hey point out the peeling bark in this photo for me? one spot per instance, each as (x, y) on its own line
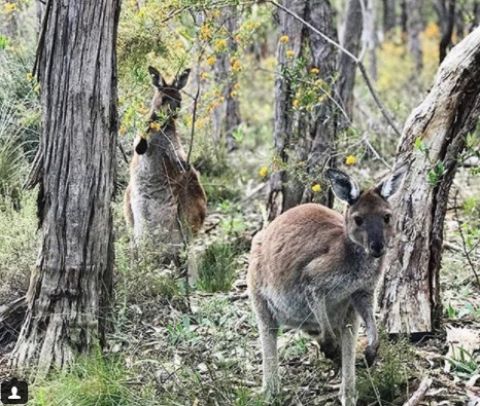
(410, 300)
(70, 289)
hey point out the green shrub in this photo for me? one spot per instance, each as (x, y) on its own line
(216, 268)
(93, 380)
(13, 164)
(387, 380)
(18, 247)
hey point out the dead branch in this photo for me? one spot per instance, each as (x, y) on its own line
(419, 394)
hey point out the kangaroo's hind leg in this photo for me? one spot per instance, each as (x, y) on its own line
(268, 330)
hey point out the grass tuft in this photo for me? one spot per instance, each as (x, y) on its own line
(216, 268)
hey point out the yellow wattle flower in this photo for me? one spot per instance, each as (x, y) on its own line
(220, 45)
(211, 60)
(290, 53)
(314, 71)
(316, 188)
(205, 32)
(155, 126)
(263, 171)
(295, 103)
(284, 39)
(351, 160)
(236, 65)
(9, 8)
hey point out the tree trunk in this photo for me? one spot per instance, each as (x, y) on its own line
(476, 15)
(351, 35)
(70, 289)
(389, 16)
(403, 16)
(9, 19)
(369, 37)
(226, 117)
(303, 138)
(410, 296)
(446, 16)
(414, 28)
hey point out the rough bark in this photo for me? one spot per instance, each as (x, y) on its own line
(303, 140)
(70, 289)
(414, 28)
(446, 16)
(389, 15)
(410, 296)
(226, 117)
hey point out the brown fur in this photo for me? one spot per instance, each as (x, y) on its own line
(168, 168)
(316, 270)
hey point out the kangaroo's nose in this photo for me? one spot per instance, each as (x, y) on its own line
(377, 249)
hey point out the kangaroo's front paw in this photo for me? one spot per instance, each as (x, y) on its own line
(371, 354)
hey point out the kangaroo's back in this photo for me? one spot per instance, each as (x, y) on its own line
(294, 239)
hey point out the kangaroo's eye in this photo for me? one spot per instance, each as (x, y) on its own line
(358, 220)
(387, 218)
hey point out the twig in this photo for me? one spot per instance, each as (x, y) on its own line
(419, 394)
(357, 61)
(194, 119)
(465, 249)
(122, 150)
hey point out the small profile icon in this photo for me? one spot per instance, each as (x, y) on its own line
(14, 392)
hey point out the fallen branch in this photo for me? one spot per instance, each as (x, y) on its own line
(419, 394)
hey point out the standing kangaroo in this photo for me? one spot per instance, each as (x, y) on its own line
(164, 193)
(317, 270)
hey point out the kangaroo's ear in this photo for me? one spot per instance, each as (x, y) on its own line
(391, 185)
(157, 79)
(344, 187)
(140, 145)
(182, 79)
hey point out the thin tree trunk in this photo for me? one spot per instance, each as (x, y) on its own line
(414, 28)
(286, 192)
(369, 37)
(446, 16)
(9, 19)
(403, 16)
(303, 139)
(351, 35)
(476, 15)
(460, 23)
(389, 16)
(226, 117)
(70, 289)
(410, 296)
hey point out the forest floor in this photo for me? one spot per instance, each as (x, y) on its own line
(177, 346)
